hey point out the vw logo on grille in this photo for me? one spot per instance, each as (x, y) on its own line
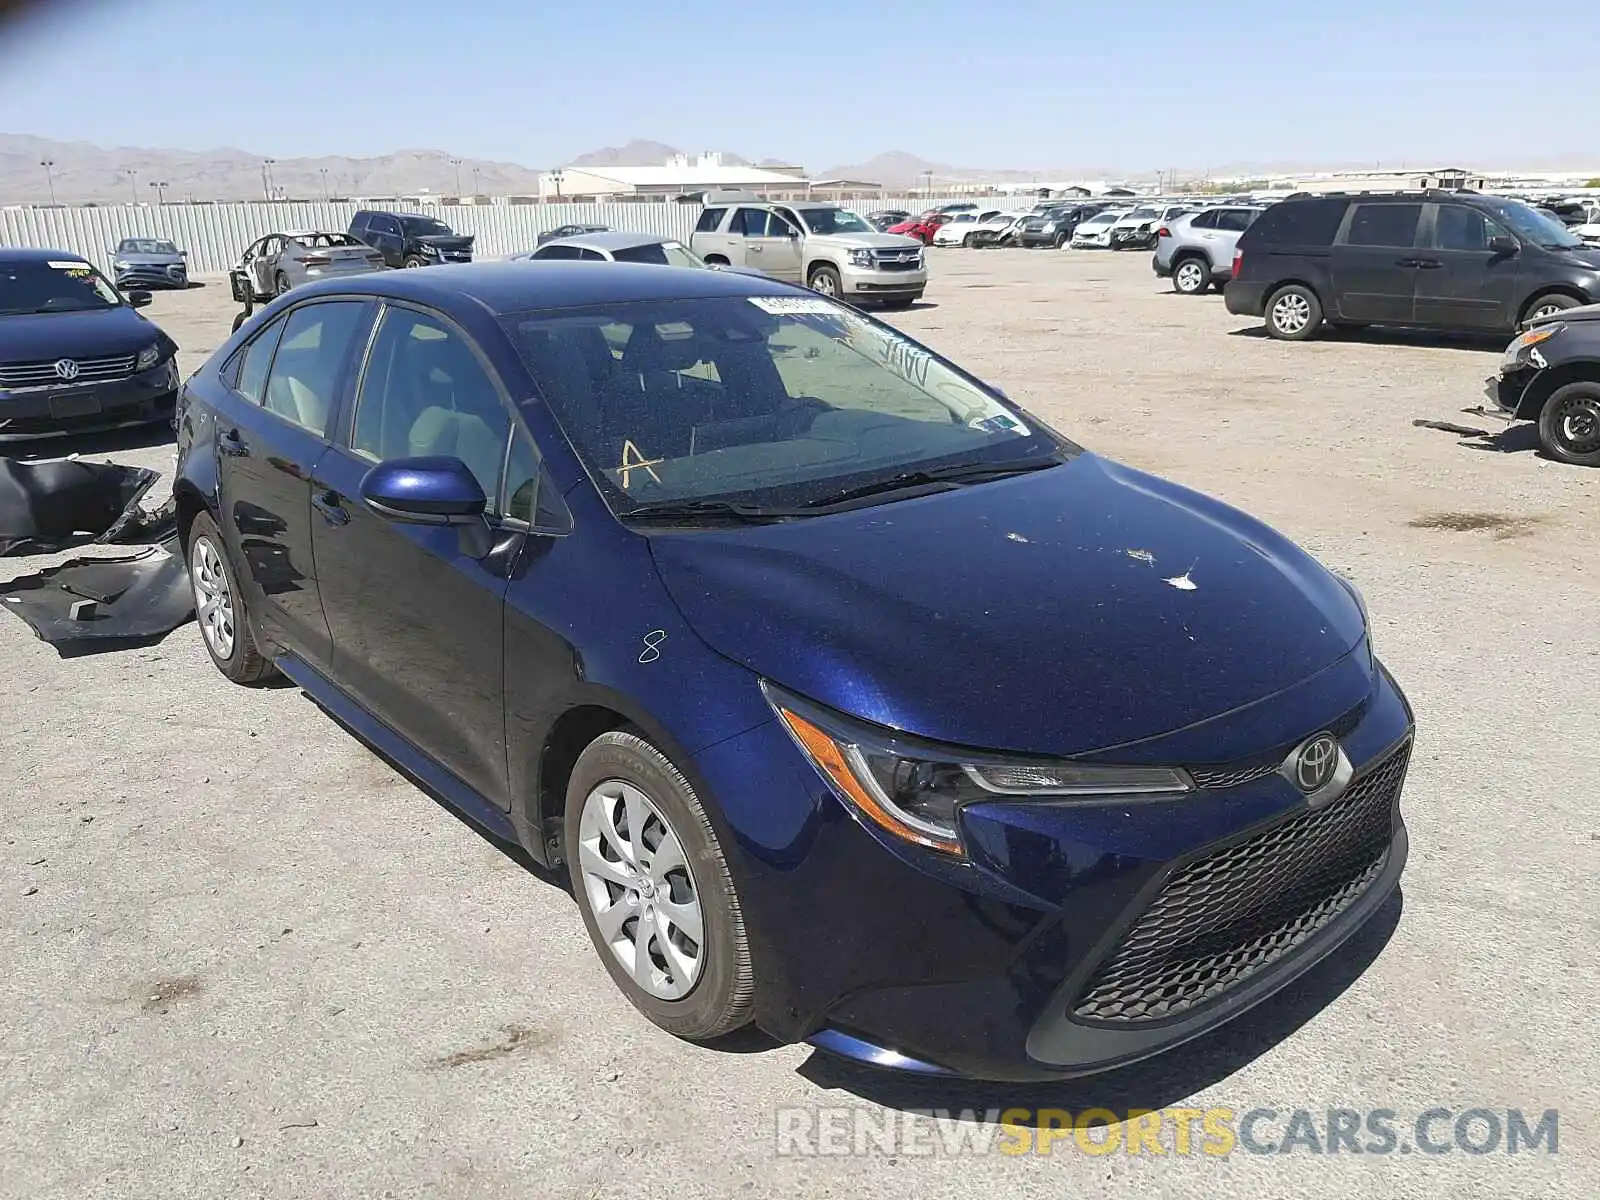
(1313, 764)
(66, 368)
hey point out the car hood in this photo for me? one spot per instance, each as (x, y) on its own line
(42, 336)
(150, 260)
(447, 241)
(1059, 612)
(854, 240)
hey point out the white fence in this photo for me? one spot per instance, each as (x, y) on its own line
(216, 234)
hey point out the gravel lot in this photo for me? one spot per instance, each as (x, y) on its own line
(243, 957)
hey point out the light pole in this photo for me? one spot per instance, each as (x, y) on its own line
(47, 163)
(477, 185)
(928, 176)
(133, 184)
(555, 178)
(456, 163)
(266, 176)
(161, 190)
(326, 196)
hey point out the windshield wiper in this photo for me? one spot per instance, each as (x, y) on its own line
(681, 510)
(955, 474)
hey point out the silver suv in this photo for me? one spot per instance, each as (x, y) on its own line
(829, 249)
(1196, 250)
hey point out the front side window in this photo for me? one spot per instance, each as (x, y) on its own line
(763, 400)
(312, 351)
(53, 286)
(425, 392)
(424, 227)
(1385, 225)
(1458, 227)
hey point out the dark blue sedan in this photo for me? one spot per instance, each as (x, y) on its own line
(75, 355)
(857, 702)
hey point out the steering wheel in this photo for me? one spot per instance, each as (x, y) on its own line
(796, 414)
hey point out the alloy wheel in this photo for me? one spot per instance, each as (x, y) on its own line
(1545, 310)
(1291, 313)
(213, 599)
(822, 283)
(1190, 277)
(641, 890)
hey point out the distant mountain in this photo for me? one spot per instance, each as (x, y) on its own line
(641, 153)
(898, 168)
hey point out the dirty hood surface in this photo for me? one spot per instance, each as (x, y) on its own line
(1057, 612)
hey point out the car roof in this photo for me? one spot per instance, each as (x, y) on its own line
(29, 254)
(611, 239)
(521, 285)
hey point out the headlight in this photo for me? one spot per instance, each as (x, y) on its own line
(915, 791)
(862, 258)
(121, 266)
(427, 249)
(1524, 343)
(148, 357)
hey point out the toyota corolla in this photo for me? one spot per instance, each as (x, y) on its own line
(856, 702)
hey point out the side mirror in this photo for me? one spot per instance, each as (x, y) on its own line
(139, 299)
(1503, 244)
(424, 491)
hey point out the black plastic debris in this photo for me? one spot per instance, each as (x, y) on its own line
(49, 506)
(90, 605)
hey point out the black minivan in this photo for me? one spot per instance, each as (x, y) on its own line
(1448, 260)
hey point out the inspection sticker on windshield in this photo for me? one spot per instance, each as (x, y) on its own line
(794, 304)
(69, 266)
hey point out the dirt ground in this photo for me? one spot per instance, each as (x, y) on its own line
(243, 957)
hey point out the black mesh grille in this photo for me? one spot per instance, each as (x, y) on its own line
(1224, 917)
(1226, 777)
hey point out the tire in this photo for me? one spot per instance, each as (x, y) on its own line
(280, 284)
(966, 242)
(700, 995)
(716, 260)
(1191, 276)
(1569, 424)
(219, 606)
(413, 260)
(1548, 305)
(1294, 314)
(1059, 242)
(825, 280)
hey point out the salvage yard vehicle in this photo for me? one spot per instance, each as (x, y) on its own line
(1054, 225)
(75, 356)
(1455, 261)
(612, 246)
(1550, 374)
(407, 239)
(827, 248)
(883, 218)
(141, 262)
(1196, 249)
(566, 231)
(963, 229)
(854, 701)
(280, 261)
(1136, 229)
(1094, 233)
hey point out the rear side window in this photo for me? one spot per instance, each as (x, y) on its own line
(755, 221)
(1235, 220)
(558, 252)
(1384, 225)
(1299, 223)
(249, 373)
(709, 220)
(1205, 220)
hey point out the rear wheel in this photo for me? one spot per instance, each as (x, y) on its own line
(224, 623)
(1569, 424)
(824, 280)
(1548, 306)
(654, 889)
(1294, 313)
(1190, 277)
(280, 285)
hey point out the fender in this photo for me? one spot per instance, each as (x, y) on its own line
(1556, 375)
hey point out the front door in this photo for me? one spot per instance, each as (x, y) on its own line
(417, 612)
(269, 441)
(1461, 282)
(768, 244)
(1374, 264)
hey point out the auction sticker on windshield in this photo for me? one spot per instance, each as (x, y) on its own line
(788, 305)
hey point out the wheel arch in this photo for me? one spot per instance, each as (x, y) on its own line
(813, 263)
(1571, 291)
(1543, 385)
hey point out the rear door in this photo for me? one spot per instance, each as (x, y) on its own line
(1461, 283)
(1375, 261)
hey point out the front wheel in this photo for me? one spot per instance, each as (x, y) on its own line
(220, 609)
(1569, 424)
(413, 260)
(655, 891)
(1294, 313)
(966, 242)
(825, 280)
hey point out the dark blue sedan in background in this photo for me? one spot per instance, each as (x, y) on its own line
(75, 356)
(856, 702)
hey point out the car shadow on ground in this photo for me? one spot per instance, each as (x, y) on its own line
(1155, 1083)
(1494, 343)
(112, 441)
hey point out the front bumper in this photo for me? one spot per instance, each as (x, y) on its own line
(140, 276)
(1074, 939)
(42, 412)
(1506, 389)
(864, 284)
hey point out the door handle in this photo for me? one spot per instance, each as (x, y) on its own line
(1427, 264)
(1407, 262)
(326, 502)
(232, 445)
(753, 249)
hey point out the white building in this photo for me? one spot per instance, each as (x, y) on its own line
(678, 176)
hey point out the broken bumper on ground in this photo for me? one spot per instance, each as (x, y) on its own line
(90, 605)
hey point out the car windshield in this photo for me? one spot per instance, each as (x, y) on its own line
(424, 226)
(1531, 225)
(1143, 214)
(758, 400)
(145, 246)
(59, 285)
(834, 220)
(662, 254)
(1105, 218)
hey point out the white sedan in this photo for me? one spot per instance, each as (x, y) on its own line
(958, 230)
(1095, 233)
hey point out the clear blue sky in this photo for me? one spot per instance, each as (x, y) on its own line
(986, 83)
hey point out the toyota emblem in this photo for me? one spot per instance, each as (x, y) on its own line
(1313, 765)
(66, 368)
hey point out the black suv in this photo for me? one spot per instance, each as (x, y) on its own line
(410, 239)
(1054, 226)
(1438, 260)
